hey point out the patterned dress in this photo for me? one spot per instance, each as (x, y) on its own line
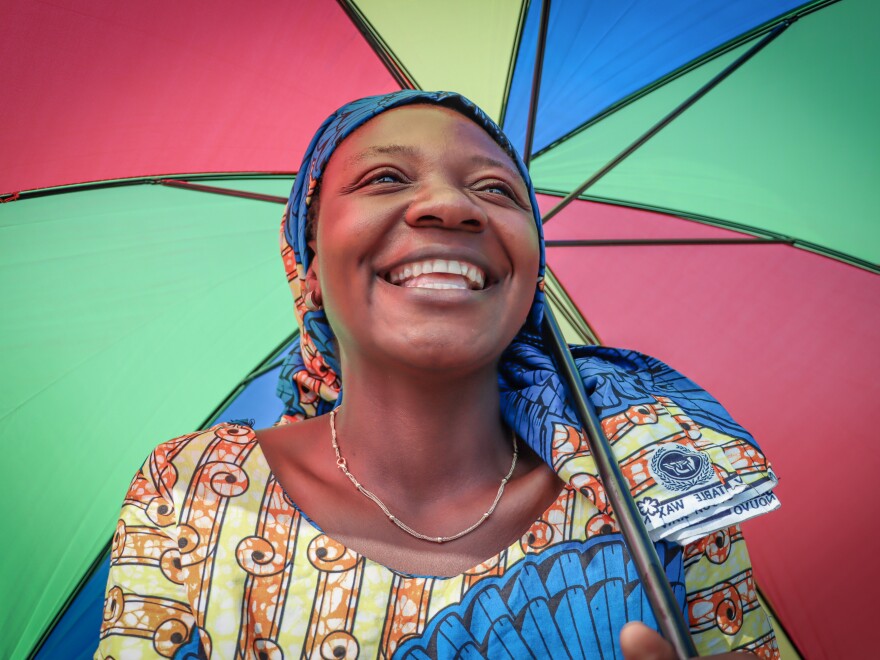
(211, 558)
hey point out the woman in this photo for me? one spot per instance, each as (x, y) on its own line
(449, 506)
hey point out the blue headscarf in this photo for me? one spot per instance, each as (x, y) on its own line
(532, 395)
(314, 368)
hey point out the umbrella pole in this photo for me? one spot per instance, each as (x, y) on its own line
(642, 551)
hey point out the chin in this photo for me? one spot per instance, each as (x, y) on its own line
(450, 354)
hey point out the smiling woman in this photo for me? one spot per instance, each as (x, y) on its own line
(414, 195)
(451, 506)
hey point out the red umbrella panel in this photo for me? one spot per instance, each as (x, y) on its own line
(754, 323)
(785, 337)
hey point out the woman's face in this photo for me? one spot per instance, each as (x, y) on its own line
(426, 250)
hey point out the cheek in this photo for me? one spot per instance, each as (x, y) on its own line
(532, 260)
(342, 235)
(525, 249)
(355, 227)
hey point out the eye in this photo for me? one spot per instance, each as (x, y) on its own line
(497, 188)
(502, 192)
(385, 177)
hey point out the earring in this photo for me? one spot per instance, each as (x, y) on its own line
(310, 302)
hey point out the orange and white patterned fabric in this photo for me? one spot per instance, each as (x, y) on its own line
(212, 559)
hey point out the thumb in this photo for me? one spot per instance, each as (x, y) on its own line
(639, 642)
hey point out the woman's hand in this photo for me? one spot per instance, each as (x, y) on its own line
(638, 642)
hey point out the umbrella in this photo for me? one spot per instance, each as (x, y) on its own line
(736, 243)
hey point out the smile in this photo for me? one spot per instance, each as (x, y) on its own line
(438, 274)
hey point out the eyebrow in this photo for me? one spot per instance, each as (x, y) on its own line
(492, 162)
(385, 150)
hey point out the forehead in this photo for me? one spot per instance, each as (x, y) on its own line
(420, 130)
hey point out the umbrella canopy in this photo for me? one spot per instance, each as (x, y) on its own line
(739, 243)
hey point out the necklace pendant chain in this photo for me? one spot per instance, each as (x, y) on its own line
(343, 466)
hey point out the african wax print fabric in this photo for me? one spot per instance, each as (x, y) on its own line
(211, 558)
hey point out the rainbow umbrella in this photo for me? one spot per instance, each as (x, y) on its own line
(715, 159)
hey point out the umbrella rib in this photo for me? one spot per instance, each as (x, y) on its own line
(758, 232)
(686, 215)
(615, 242)
(536, 81)
(514, 54)
(724, 48)
(774, 238)
(395, 67)
(777, 621)
(138, 181)
(269, 363)
(103, 553)
(669, 118)
(198, 187)
(568, 308)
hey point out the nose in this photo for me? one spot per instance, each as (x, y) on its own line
(444, 205)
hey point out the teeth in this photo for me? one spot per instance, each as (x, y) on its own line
(437, 285)
(474, 277)
(443, 266)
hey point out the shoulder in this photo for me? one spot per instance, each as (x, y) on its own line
(688, 479)
(220, 441)
(295, 451)
(177, 468)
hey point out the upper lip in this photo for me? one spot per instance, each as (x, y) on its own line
(468, 256)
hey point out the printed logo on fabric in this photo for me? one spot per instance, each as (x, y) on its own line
(681, 468)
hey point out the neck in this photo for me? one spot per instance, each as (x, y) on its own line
(423, 435)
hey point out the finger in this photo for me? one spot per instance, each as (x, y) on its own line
(639, 642)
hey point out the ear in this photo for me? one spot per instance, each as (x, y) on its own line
(312, 282)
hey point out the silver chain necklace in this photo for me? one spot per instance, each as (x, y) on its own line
(342, 465)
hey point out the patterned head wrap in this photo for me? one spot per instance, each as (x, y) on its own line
(309, 383)
(627, 388)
